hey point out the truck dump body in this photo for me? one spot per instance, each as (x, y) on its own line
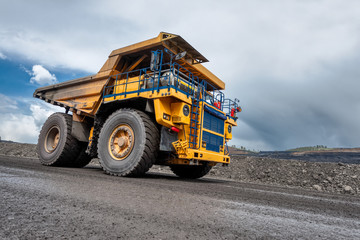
(155, 91)
(81, 94)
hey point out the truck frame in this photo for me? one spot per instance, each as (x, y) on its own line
(152, 102)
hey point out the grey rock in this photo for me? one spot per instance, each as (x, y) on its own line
(347, 189)
(316, 177)
(261, 176)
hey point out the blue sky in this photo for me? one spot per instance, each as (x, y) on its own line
(21, 115)
(15, 78)
(294, 65)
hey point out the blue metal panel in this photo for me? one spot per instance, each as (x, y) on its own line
(213, 123)
(213, 142)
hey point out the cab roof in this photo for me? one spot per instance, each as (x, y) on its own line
(176, 44)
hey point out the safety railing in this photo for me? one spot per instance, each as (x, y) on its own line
(231, 107)
(170, 75)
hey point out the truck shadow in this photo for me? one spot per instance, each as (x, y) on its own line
(171, 177)
(164, 176)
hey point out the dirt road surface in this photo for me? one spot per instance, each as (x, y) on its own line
(47, 202)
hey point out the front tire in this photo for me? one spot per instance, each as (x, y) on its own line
(189, 171)
(128, 143)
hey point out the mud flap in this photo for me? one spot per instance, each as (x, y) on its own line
(166, 140)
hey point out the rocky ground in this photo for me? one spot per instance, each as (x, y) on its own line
(328, 177)
(319, 176)
(18, 149)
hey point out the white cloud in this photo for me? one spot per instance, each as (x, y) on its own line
(42, 76)
(7, 104)
(2, 56)
(41, 112)
(20, 126)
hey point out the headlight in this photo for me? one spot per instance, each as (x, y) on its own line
(229, 128)
(186, 110)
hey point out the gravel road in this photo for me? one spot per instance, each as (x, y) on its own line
(318, 176)
(64, 203)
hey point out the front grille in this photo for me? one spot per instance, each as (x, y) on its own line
(213, 123)
(213, 142)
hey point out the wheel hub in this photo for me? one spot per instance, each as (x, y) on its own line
(52, 139)
(56, 140)
(121, 142)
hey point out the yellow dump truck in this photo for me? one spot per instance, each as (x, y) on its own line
(152, 102)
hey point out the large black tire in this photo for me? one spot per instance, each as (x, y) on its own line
(128, 143)
(56, 146)
(189, 171)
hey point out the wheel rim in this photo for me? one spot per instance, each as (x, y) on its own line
(52, 139)
(121, 142)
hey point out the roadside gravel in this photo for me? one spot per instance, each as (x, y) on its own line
(327, 177)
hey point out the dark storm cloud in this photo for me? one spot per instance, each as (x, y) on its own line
(322, 109)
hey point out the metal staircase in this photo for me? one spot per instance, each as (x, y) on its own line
(195, 122)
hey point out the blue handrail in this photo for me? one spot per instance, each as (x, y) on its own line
(177, 77)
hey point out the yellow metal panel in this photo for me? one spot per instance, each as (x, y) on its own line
(176, 44)
(177, 113)
(104, 74)
(198, 69)
(163, 106)
(110, 63)
(137, 47)
(232, 122)
(212, 132)
(228, 135)
(202, 156)
(82, 94)
(150, 43)
(214, 80)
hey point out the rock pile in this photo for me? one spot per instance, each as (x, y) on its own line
(328, 177)
(18, 149)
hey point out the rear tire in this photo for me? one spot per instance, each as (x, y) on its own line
(56, 146)
(128, 143)
(189, 171)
